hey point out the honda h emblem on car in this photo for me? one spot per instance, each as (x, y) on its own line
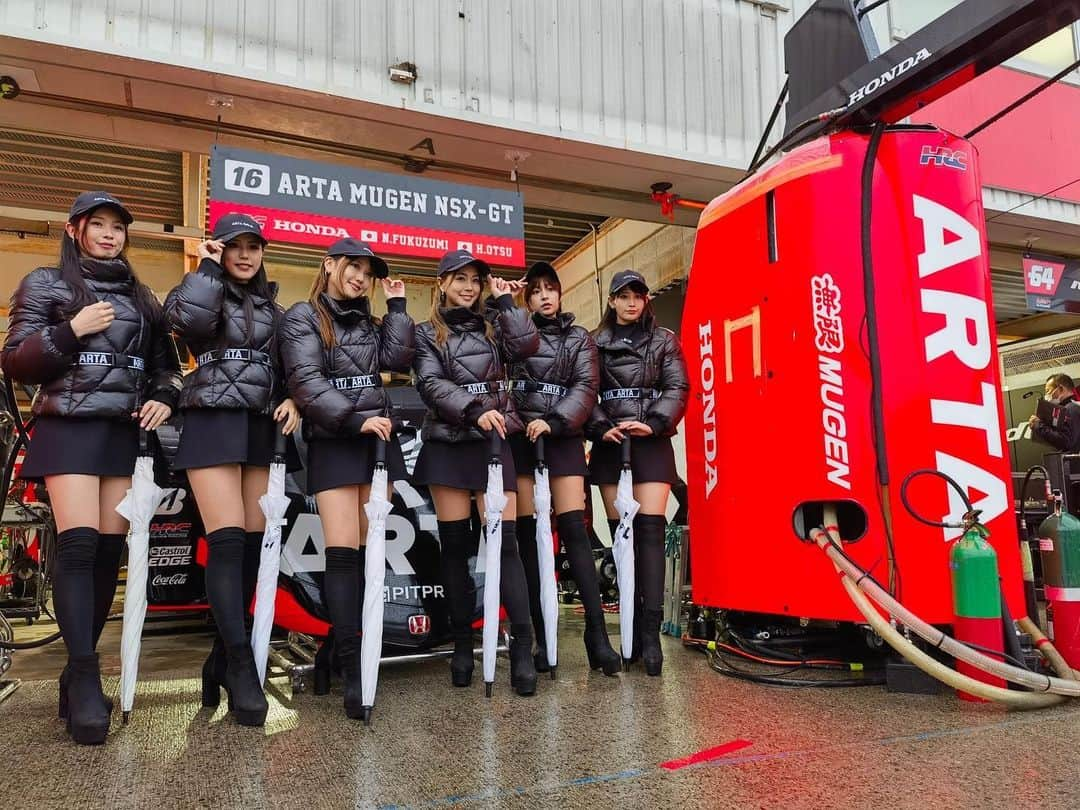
(420, 624)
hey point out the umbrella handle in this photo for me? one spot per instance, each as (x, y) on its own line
(625, 446)
(144, 442)
(380, 451)
(281, 444)
(540, 460)
(496, 446)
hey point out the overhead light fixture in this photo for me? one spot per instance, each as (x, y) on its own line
(403, 73)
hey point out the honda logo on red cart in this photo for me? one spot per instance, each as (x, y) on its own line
(420, 624)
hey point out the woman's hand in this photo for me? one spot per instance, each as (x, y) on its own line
(287, 412)
(492, 420)
(93, 319)
(393, 288)
(379, 425)
(211, 249)
(636, 428)
(536, 429)
(614, 435)
(153, 415)
(499, 286)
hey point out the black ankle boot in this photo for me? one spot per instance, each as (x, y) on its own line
(354, 695)
(323, 666)
(213, 674)
(247, 702)
(522, 668)
(88, 716)
(652, 656)
(598, 647)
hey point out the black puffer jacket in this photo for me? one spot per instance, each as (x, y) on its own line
(332, 388)
(568, 358)
(469, 358)
(647, 360)
(207, 311)
(91, 377)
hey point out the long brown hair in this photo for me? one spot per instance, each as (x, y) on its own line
(71, 273)
(610, 319)
(320, 285)
(442, 330)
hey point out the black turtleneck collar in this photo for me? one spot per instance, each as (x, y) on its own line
(462, 318)
(562, 321)
(348, 309)
(105, 269)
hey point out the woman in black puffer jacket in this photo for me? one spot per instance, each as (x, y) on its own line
(554, 392)
(333, 351)
(95, 340)
(226, 313)
(643, 393)
(461, 358)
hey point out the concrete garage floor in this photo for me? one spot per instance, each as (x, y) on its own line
(583, 741)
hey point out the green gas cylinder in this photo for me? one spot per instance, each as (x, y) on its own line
(976, 600)
(1059, 551)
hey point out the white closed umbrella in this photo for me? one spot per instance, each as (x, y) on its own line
(622, 549)
(494, 502)
(274, 504)
(545, 555)
(377, 509)
(138, 507)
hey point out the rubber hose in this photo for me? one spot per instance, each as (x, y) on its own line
(936, 669)
(1047, 649)
(947, 644)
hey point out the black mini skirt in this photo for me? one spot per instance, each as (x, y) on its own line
(66, 445)
(350, 461)
(563, 455)
(652, 459)
(214, 436)
(462, 465)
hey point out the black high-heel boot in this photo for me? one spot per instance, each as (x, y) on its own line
(247, 702)
(598, 646)
(652, 656)
(110, 548)
(522, 669)
(454, 539)
(649, 559)
(323, 666)
(88, 717)
(575, 539)
(213, 674)
(354, 695)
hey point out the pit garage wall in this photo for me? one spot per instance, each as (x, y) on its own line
(693, 79)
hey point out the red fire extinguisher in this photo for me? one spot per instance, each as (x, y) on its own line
(1059, 550)
(976, 601)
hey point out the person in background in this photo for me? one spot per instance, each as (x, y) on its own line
(1063, 431)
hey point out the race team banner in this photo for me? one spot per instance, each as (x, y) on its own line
(315, 203)
(1052, 283)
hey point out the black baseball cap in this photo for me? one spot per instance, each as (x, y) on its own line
(89, 200)
(456, 259)
(231, 226)
(354, 247)
(628, 278)
(541, 269)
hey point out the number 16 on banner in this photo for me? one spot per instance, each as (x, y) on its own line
(249, 178)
